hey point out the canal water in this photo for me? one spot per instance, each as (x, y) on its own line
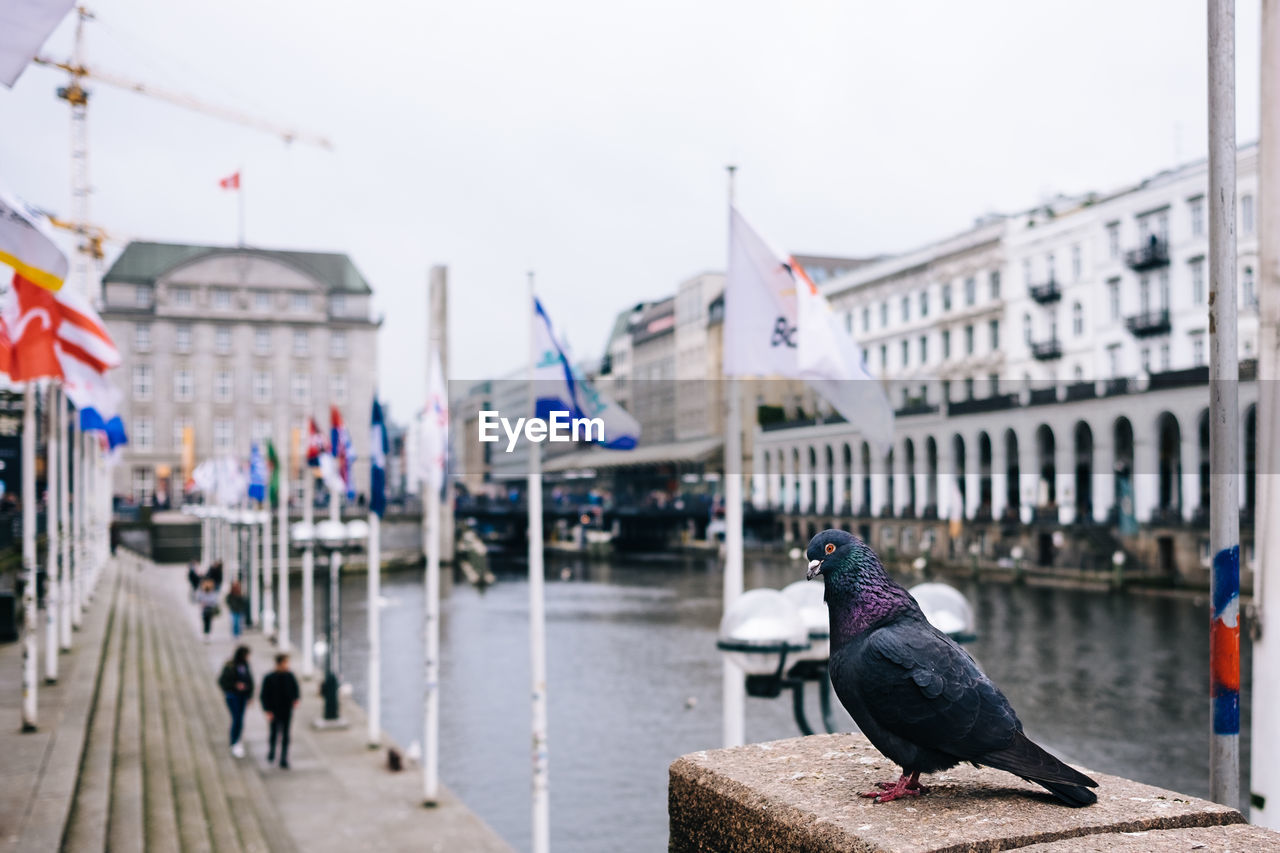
(1115, 682)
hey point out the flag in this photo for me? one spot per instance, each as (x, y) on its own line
(343, 452)
(230, 182)
(273, 462)
(377, 461)
(188, 456)
(26, 240)
(778, 324)
(82, 332)
(435, 429)
(561, 388)
(24, 26)
(29, 319)
(315, 443)
(257, 475)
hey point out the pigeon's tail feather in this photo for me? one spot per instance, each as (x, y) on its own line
(1075, 796)
(1025, 758)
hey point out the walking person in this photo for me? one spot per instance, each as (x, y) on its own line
(236, 681)
(238, 604)
(193, 578)
(279, 696)
(207, 601)
(215, 574)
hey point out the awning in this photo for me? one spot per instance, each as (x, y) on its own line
(697, 450)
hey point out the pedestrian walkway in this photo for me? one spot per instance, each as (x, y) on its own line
(134, 753)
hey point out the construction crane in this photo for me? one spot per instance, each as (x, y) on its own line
(77, 96)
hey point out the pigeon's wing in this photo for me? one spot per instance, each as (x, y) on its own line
(919, 685)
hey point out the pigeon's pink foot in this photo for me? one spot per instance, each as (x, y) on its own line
(906, 786)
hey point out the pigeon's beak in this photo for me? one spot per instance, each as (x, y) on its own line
(815, 569)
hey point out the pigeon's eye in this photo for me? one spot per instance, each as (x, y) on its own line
(831, 547)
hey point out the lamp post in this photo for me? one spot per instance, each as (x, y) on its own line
(1117, 569)
(974, 551)
(335, 537)
(1016, 552)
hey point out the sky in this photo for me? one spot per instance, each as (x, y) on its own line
(587, 141)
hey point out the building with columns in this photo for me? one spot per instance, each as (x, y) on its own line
(1049, 371)
(237, 344)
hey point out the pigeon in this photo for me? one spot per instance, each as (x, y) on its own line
(917, 696)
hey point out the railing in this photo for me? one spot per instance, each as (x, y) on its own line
(1179, 378)
(1149, 323)
(1042, 396)
(1046, 350)
(1045, 293)
(916, 407)
(994, 403)
(1154, 254)
(1081, 391)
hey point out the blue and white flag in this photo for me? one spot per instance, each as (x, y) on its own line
(257, 475)
(377, 461)
(561, 388)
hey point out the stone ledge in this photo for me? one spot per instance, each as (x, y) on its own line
(800, 795)
(1239, 838)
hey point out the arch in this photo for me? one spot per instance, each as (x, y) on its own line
(846, 498)
(1122, 438)
(1084, 472)
(931, 477)
(812, 485)
(984, 475)
(829, 479)
(889, 490)
(957, 451)
(791, 501)
(1169, 443)
(1047, 468)
(909, 467)
(1013, 476)
(866, 508)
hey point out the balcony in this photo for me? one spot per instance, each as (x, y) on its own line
(1046, 350)
(979, 405)
(1082, 391)
(1046, 293)
(1154, 254)
(1043, 396)
(1149, 323)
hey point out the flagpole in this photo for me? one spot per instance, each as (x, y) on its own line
(77, 506)
(51, 577)
(29, 627)
(268, 575)
(375, 630)
(537, 615)
(282, 621)
(431, 525)
(64, 527)
(735, 704)
(240, 201)
(255, 575)
(308, 571)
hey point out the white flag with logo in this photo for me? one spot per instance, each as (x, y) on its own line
(777, 324)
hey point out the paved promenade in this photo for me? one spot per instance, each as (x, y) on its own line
(132, 750)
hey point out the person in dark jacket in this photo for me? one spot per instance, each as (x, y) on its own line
(238, 605)
(236, 681)
(279, 696)
(193, 579)
(215, 574)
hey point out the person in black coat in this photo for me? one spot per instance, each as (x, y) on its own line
(279, 696)
(236, 681)
(215, 574)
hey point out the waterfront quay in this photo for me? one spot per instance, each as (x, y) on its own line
(132, 753)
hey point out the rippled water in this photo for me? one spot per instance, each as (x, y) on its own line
(1115, 682)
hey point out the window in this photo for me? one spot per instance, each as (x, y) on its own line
(970, 291)
(222, 386)
(144, 485)
(1026, 271)
(338, 340)
(182, 297)
(968, 340)
(946, 343)
(1197, 216)
(924, 349)
(144, 433)
(1197, 281)
(1077, 263)
(262, 300)
(1247, 293)
(906, 354)
(262, 341)
(1144, 294)
(142, 294)
(1026, 328)
(338, 381)
(884, 314)
(1246, 214)
(221, 298)
(260, 430)
(946, 297)
(848, 322)
(1077, 319)
(884, 357)
(968, 387)
(182, 337)
(1051, 267)
(142, 337)
(1164, 356)
(223, 434)
(300, 301)
(180, 426)
(866, 319)
(995, 335)
(1113, 298)
(183, 385)
(1197, 349)
(261, 386)
(1146, 359)
(1164, 290)
(142, 382)
(300, 388)
(995, 284)
(222, 339)
(1113, 360)
(924, 303)
(1078, 373)
(1113, 240)
(301, 342)
(1053, 324)
(993, 381)
(906, 309)
(338, 304)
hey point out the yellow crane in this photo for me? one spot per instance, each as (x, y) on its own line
(77, 97)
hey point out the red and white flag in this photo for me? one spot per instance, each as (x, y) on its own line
(37, 325)
(230, 182)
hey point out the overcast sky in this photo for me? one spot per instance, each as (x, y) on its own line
(587, 140)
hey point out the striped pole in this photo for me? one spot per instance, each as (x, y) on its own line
(1224, 411)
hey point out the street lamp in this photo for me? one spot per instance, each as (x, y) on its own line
(1016, 552)
(335, 537)
(947, 609)
(1117, 573)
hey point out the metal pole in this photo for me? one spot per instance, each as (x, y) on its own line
(537, 615)
(1224, 408)
(308, 575)
(51, 578)
(283, 621)
(330, 688)
(29, 627)
(1265, 785)
(431, 551)
(268, 577)
(373, 575)
(66, 530)
(735, 702)
(255, 574)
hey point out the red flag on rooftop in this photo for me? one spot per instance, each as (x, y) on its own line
(230, 182)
